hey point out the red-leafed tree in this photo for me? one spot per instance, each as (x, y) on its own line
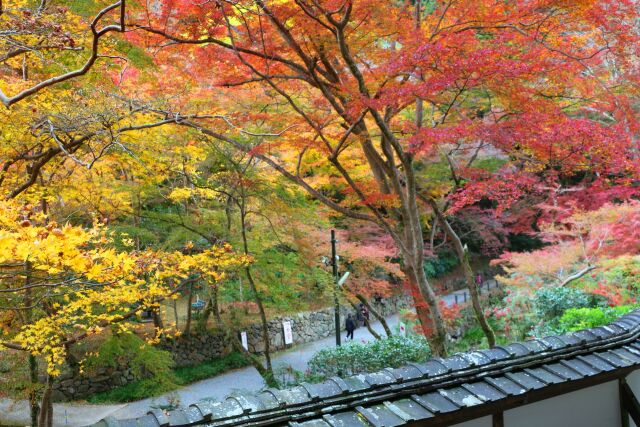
(577, 245)
(369, 97)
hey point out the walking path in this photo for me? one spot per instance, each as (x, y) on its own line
(237, 381)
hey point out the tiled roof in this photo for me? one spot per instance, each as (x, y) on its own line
(425, 391)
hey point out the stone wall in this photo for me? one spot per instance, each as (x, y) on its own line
(197, 348)
(305, 327)
(74, 387)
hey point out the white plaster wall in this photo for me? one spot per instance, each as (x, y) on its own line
(480, 422)
(596, 406)
(633, 379)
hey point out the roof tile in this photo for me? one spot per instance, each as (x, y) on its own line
(415, 410)
(506, 386)
(380, 416)
(322, 390)
(525, 380)
(346, 419)
(563, 371)
(435, 403)
(545, 375)
(484, 391)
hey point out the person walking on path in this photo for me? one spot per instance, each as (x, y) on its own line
(365, 315)
(479, 280)
(359, 314)
(351, 326)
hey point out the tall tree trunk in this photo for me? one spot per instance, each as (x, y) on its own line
(463, 256)
(45, 419)
(187, 327)
(204, 317)
(34, 408)
(157, 318)
(175, 312)
(428, 310)
(431, 309)
(256, 294)
(33, 362)
(216, 307)
(413, 256)
(375, 313)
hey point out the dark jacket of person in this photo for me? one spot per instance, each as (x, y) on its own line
(350, 324)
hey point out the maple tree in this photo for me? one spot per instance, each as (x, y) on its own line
(331, 88)
(61, 284)
(577, 246)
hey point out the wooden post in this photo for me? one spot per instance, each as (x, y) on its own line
(498, 419)
(629, 404)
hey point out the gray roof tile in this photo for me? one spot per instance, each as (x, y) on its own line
(525, 380)
(596, 362)
(248, 403)
(586, 336)
(580, 367)
(346, 419)
(408, 372)
(415, 410)
(631, 356)
(380, 416)
(456, 362)
(312, 423)
(554, 342)
(613, 359)
(545, 375)
(519, 349)
(461, 397)
(436, 403)
(476, 358)
(380, 378)
(506, 386)
(322, 390)
(563, 371)
(496, 354)
(536, 346)
(434, 367)
(161, 418)
(484, 391)
(179, 417)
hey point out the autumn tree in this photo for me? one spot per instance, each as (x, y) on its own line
(61, 284)
(330, 89)
(577, 246)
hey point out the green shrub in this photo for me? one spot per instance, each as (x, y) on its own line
(150, 387)
(441, 264)
(354, 358)
(136, 390)
(575, 319)
(550, 303)
(144, 360)
(190, 374)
